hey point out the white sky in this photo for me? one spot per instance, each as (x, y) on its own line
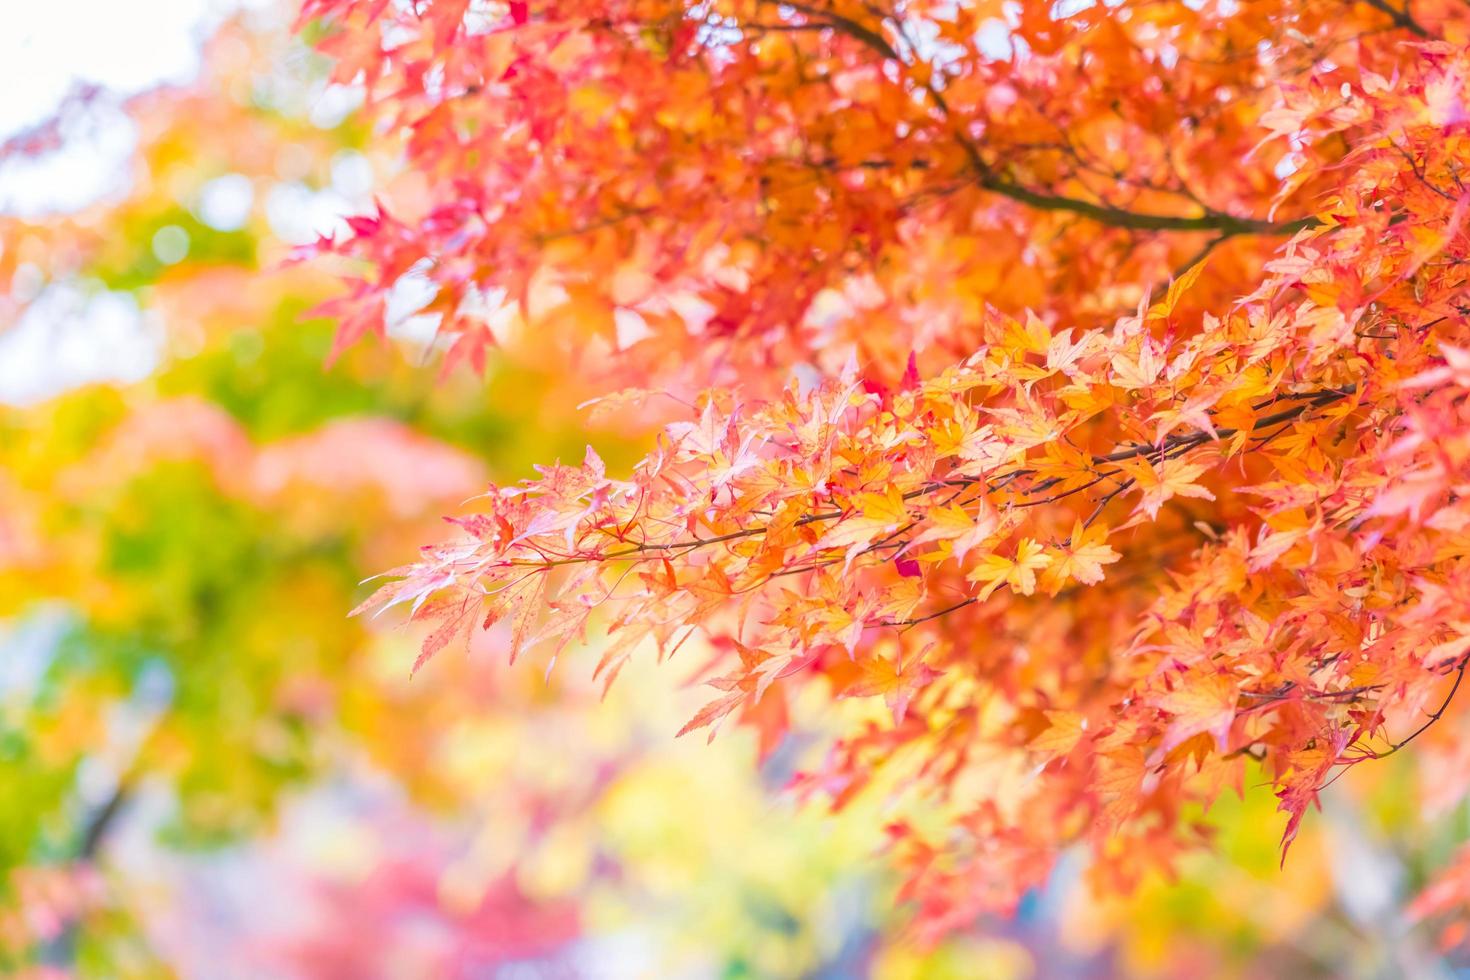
(47, 49)
(48, 46)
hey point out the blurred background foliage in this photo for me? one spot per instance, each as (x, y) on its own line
(211, 771)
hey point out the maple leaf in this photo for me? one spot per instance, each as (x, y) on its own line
(1019, 572)
(712, 713)
(1064, 731)
(1140, 370)
(1307, 769)
(897, 684)
(1159, 483)
(1203, 705)
(1176, 291)
(456, 619)
(961, 529)
(1083, 558)
(871, 516)
(524, 611)
(1064, 354)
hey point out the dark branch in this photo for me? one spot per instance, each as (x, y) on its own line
(1226, 224)
(60, 950)
(1439, 712)
(1401, 18)
(101, 821)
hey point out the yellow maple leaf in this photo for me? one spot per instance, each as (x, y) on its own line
(1082, 559)
(958, 526)
(1139, 371)
(1171, 478)
(1177, 288)
(1019, 573)
(1062, 735)
(873, 515)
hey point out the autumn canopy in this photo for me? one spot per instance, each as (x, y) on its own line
(1091, 384)
(1086, 384)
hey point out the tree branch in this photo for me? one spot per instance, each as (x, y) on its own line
(1401, 18)
(1165, 449)
(1226, 224)
(60, 950)
(101, 821)
(1439, 713)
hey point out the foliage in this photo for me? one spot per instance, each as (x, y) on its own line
(182, 686)
(1221, 529)
(1035, 422)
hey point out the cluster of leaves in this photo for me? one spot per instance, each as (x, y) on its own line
(176, 558)
(1029, 570)
(1097, 564)
(747, 182)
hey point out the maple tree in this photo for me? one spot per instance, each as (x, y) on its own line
(180, 691)
(1088, 381)
(182, 701)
